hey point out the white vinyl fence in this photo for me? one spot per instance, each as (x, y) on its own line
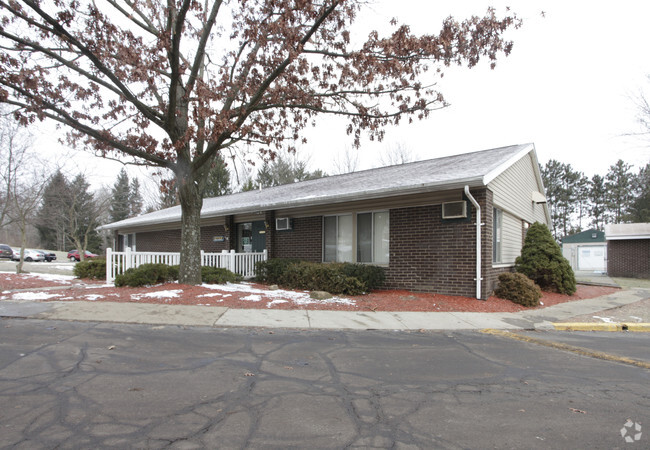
(241, 263)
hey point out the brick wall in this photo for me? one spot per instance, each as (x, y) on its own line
(170, 240)
(303, 241)
(429, 254)
(426, 253)
(628, 258)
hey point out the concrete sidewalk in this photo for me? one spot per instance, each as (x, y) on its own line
(142, 313)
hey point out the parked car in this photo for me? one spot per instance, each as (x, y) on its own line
(29, 256)
(49, 256)
(6, 251)
(73, 255)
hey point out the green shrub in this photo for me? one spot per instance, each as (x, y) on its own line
(91, 268)
(335, 278)
(321, 277)
(272, 270)
(541, 260)
(146, 275)
(217, 275)
(518, 288)
(372, 277)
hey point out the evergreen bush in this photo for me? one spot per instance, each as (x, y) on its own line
(541, 260)
(272, 270)
(150, 274)
(146, 275)
(217, 275)
(335, 278)
(321, 277)
(372, 277)
(90, 268)
(519, 289)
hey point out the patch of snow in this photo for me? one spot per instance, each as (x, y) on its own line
(299, 298)
(212, 294)
(276, 302)
(93, 297)
(52, 277)
(638, 319)
(252, 298)
(34, 296)
(158, 294)
(604, 319)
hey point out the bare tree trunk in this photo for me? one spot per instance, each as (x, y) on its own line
(191, 203)
(23, 243)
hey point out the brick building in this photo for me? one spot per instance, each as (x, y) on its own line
(418, 220)
(628, 250)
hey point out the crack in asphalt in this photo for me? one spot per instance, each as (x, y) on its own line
(112, 385)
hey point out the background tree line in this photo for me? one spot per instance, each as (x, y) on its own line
(577, 202)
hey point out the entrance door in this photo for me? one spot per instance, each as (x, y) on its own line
(251, 237)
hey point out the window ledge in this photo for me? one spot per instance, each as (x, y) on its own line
(502, 265)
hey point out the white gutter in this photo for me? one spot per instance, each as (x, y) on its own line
(478, 241)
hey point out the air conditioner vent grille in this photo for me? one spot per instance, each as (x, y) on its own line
(454, 210)
(282, 223)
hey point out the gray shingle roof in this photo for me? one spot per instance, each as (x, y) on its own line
(450, 172)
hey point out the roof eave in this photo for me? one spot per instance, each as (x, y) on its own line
(363, 195)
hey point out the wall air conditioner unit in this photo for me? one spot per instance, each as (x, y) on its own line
(282, 223)
(454, 210)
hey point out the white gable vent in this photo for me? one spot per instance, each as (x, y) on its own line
(454, 210)
(282, 223)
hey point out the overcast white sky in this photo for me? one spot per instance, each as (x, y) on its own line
(567, 87)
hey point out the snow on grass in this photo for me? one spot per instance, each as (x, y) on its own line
(275, 295)
(93, 297)
(34, 296)
(158, 294)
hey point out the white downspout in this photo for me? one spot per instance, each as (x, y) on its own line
(478, 241)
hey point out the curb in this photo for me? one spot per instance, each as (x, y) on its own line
(587, 326)
(570, 348)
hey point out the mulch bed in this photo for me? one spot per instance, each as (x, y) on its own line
(177, 294)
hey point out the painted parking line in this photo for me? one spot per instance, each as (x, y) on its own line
(569, 348)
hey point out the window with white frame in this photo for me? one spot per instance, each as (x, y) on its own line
(128, 240)
(497, 234)
(362, 237)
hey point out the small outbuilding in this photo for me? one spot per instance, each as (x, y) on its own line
(586, 251)
(628, 250)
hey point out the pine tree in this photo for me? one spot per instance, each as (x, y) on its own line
(218, 181)
(541, 260)
(598, 202)
(282, 170)
(640, 210)
(135, 198)
(618, 183)
(51, 221)
(561, 183)
(120, 207)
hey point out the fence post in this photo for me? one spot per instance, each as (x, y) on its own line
(109, 265)
(203, 259)
(127, 258)
(231, 265)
